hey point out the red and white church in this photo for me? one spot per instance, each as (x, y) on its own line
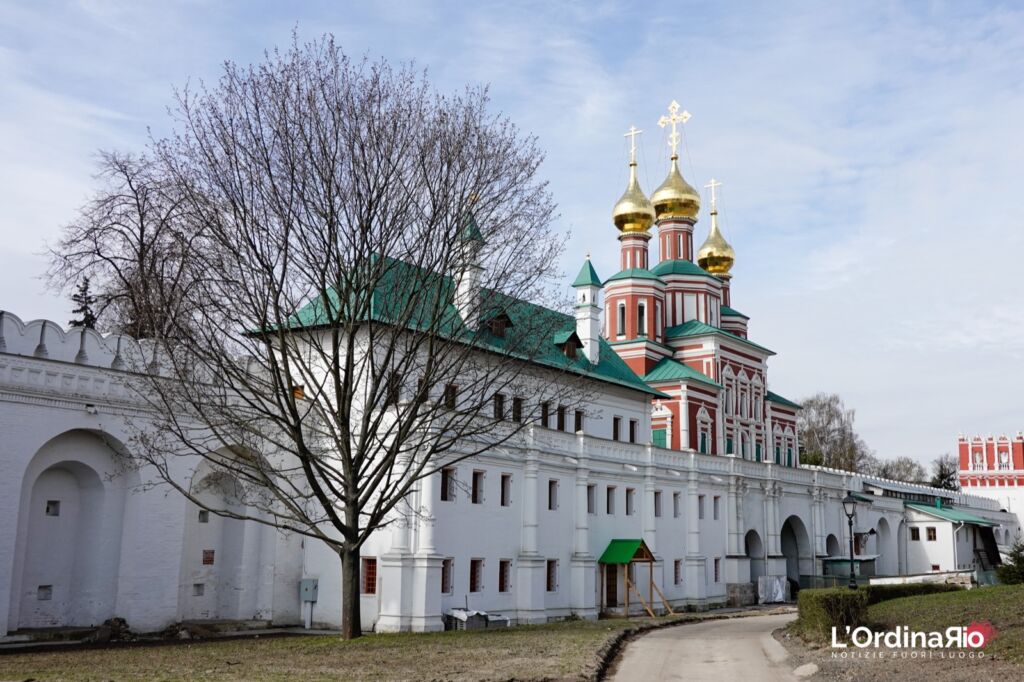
(674, 325)
(993, 467)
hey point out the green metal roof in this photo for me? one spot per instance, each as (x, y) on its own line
(620, 551)
(404, 287)
(698, 328)
(470, 230)
(633, 273)
(862, 497)
(668, 369)
(776, 398)
(732, 312)
(679, 267)
(948, 514)
(564, 335)
(587, 277)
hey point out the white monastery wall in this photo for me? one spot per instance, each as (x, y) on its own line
(118, 547)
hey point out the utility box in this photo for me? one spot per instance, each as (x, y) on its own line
(307, 589)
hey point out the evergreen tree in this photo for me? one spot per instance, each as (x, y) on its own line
(1012, 572)
(85, 301)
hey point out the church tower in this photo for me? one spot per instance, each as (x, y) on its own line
(634, 296)
(676, 203)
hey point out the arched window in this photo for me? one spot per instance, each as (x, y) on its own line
(620, 320)
(641, 319)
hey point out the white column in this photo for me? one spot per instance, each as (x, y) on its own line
(695, 582)
(582, 598)
(530, 565)
(425, 614)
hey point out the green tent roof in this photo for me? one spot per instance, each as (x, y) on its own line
(587, 277)
(622, 551)
(470, 230)
(954, 515)
(732, 312)
(679, 267)
(633, 273)
(401, 282)
(668, 369)
(776, 398)
(698, 328)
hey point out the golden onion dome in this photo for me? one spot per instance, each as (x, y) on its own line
(633, 212)
(675, 198)
(715, 254)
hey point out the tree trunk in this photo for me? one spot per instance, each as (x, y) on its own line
(351, 625)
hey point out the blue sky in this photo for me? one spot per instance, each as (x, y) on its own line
(870, 155)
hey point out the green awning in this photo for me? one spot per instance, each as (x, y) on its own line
(954, 515)
(624, 551)
(863, 498)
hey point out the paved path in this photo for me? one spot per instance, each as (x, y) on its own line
(720, 650)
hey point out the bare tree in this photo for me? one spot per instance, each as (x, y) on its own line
(828, 437)
(901, 469)
(126, 241)
(946, 472)
(356, 311)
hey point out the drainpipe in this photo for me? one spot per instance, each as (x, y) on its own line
(956, 564)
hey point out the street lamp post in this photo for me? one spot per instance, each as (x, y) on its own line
(850, 509)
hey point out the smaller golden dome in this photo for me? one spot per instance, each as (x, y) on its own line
(715, 254)
(633, 212)
(675, 198)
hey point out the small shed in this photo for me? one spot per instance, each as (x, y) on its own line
(625, 552)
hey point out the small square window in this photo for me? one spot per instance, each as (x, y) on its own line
(935, 567)
(204, 516)
(931, 533)
(44, 592)
(207, 557)
(198, 589)
(915, 534)
(53, 507)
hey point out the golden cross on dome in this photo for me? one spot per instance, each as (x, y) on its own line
(674, 117)
(713, 185)
(633, 132)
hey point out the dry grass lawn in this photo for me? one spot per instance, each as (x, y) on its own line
(564, 650)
